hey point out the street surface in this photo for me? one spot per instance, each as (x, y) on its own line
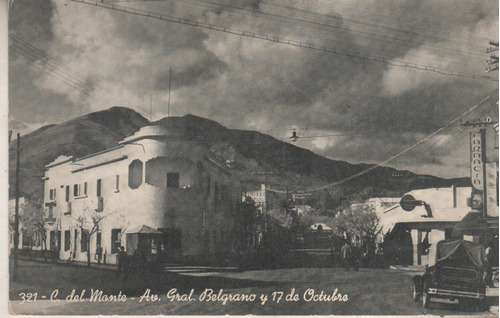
(367, 292)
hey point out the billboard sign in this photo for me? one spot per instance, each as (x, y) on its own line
(477, 150)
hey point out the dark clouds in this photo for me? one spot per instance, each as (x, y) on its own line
(267, 86)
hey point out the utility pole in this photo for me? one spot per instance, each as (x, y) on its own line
(169, 86)
(16, 217)
(483, 173)
(150, 107)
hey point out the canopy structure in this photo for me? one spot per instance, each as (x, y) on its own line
(143, 239)
(144, 229)
(475, 224)
(458, 249)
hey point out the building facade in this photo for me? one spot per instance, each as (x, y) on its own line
(408, 235)
(155, 179)
(259, 197)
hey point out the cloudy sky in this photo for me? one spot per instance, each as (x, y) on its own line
(68, 58)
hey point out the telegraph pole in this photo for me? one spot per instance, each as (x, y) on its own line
(169, 86)
(16, 217)
(483, 173)
(150, 107)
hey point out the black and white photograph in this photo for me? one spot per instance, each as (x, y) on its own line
(251, 157)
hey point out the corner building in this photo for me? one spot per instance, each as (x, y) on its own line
(157, 191)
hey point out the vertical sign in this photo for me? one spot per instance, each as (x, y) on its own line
(477, 158)
(491, 190)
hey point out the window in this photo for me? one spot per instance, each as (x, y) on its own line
(135, 174)
(67, 193)
(98, 239)
(51, 211)
(99, 188)
(76, 239)
(172, 180)
(27, 239)
(52, 240)
(67, 240)
(85, 188)
(84, 241)
(76, 190)
(117, 183)
(116, 240)
(52, 194)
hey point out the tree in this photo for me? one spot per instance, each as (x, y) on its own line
(360, 221)
(33, 223)
(250, 220)
(89, 222)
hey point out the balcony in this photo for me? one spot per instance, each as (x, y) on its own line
(50, 220)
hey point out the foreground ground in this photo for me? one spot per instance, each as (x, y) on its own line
(369, 292)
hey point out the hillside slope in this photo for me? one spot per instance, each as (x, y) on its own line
(256, 157)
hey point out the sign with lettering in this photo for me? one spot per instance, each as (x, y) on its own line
(491, 190)
(477, 159)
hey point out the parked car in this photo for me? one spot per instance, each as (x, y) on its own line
(456, 270)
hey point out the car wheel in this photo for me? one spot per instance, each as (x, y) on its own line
(416, 295)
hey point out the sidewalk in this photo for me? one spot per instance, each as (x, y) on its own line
(172, 268)
(72, 263)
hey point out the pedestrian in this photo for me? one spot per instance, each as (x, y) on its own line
(346, 255)
(121, 262)
(98, 253)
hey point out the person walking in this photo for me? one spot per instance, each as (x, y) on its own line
(120, 262)
(346, 255)
(98, 253)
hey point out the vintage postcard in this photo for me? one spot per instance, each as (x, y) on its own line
(252, 157)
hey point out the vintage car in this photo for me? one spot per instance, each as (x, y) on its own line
(456, 271)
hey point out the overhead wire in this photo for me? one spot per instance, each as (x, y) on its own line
(343, 20)
(54, 74)
(438, 145)
(250, 34)
(336, 5)
(59, 71)
(281, 7)
(44, 57)
(310, 24)
(408, 148)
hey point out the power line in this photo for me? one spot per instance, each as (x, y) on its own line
(214, 5)
(248, 34)
(436, 145)
(43, 57)
(407, 149)
(54, 74)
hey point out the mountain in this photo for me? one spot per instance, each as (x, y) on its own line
(77, 137)
(255, 157)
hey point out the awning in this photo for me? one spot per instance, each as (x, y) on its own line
(143, 229)
(475, 224)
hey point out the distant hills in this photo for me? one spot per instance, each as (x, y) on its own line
(255, 157)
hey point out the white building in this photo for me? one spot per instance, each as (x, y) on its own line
(259, 197)
(412, 232)
(155, 179)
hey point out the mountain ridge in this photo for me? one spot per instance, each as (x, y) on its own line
(257, 157)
